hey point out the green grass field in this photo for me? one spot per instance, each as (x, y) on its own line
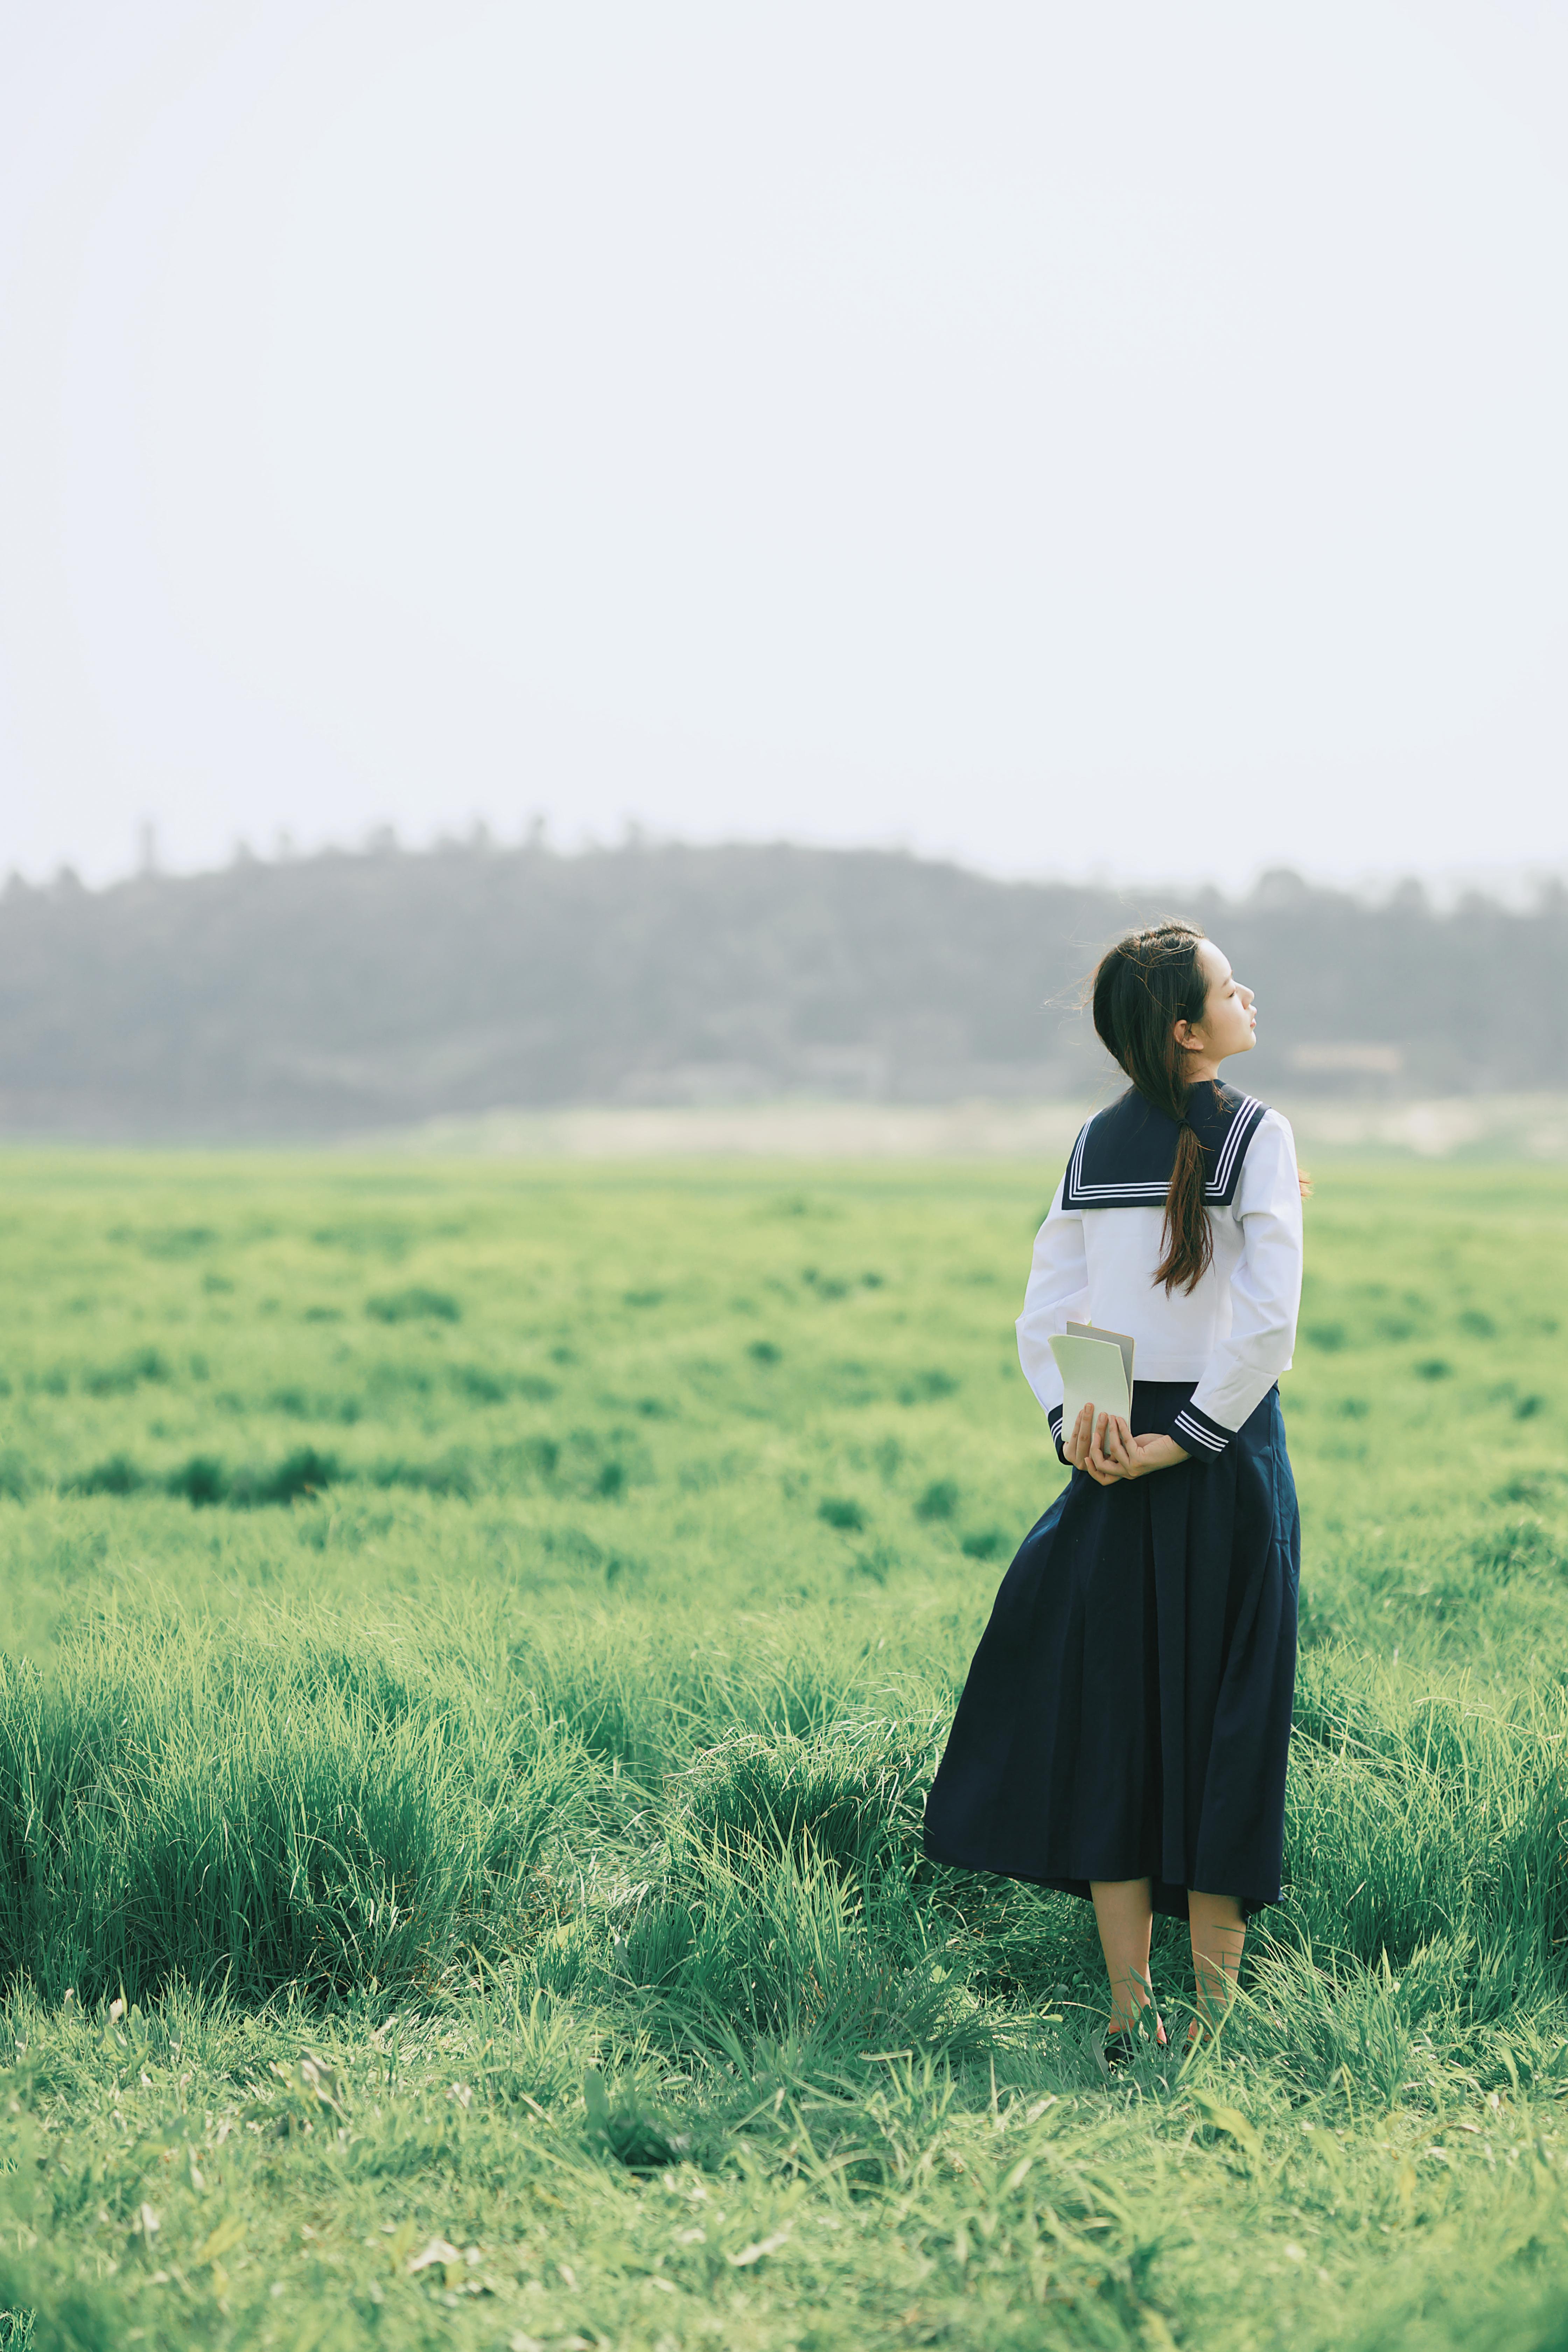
(474, 1642)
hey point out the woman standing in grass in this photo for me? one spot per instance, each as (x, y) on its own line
(1123, 1731)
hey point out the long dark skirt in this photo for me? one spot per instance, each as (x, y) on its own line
(1127, 1714)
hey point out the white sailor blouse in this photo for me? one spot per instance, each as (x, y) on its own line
(1096, 1254)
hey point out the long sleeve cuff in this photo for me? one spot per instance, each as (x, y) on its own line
(1053, 1416)
(1193, 1429)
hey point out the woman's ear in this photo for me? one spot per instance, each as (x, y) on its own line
(1187, 1038)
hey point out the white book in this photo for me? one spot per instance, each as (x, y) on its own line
(1096, 1369)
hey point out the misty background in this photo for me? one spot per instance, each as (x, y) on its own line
(350, 992)
(931, 486)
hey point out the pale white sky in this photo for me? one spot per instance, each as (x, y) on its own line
(1124, 437)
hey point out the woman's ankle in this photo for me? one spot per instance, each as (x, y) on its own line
(1134, 2025)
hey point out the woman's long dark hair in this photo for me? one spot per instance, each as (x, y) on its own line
(1142, 987)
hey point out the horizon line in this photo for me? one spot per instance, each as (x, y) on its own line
(1517, 884)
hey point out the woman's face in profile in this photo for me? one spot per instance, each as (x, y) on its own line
(1229, 1024)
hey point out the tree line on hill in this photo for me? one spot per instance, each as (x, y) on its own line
(350, 991)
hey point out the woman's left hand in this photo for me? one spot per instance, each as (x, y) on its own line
(1115, 1453)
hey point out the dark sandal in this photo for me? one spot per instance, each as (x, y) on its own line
(1121, 2047)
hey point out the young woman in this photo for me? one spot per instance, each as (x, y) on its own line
(1123, 1729)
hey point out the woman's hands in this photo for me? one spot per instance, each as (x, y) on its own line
(1102, 1445)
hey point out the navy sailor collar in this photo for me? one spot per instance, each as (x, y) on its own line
(1123, 1157)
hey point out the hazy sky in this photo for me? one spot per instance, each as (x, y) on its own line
(1118, 436)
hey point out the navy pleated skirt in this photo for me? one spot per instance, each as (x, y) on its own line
(1127, 1714)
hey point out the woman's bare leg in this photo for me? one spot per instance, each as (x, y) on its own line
(1125, 1917)
(1218, 1931)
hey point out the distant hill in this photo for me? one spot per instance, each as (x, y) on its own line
(343, 993)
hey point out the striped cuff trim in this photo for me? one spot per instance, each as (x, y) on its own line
(1053, 1415)
(1194, 1430)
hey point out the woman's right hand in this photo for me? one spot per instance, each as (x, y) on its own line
(1083, 1448)
(1103, 1444)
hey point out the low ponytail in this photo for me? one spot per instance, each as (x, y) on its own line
(1141, 988)
(1187, 1239)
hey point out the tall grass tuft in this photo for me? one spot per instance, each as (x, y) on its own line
(1419, 1817)
(261, 1813)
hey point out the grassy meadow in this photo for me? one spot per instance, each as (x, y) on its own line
(473, 1642)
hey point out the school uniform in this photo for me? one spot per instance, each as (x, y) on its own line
(1127, 1714)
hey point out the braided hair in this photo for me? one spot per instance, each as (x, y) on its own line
(1142, 987)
